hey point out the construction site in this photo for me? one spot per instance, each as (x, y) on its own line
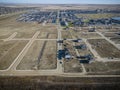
(58, 43)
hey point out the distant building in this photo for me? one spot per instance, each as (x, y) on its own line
(91, 30)
(116, 20)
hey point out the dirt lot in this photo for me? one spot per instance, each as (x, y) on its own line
(96, 67)
(89, 35)
(30, 59)
(116, 40)
(5, 34)
(108, 29)
(71, 65)
(113, 34)
(66, 35)
(47, 52)
(103, 68)
(104, 48)
(9, 51)
(49, 59)
(48, 31)
(83, 51)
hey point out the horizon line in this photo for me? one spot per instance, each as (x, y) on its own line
(65, 3)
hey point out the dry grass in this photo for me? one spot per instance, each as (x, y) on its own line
(97, 16)
(9, 51)
(104, 48)
(31, 57)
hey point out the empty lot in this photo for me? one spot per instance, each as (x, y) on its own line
(48, 32)
(104, 48)
(103, 68)
(49, 59)
(9, 51)
(41, 54)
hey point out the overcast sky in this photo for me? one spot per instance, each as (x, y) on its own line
(63, 1)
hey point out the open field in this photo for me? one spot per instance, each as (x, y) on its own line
(111, 34)
(30, 60)
(103, 68)
(44, 56)
(9, 25)
(116, 40)
(66, 35)
(114, 36)
(86, 35)
(48, 32)
(72, 66)
(48, 59)
(104, 48)
(112, 29)
(58, 83)
(9, 51)
(97, 16)
(96, 67)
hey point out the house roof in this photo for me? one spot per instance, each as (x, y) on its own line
(116, 18)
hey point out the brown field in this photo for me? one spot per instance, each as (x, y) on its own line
(108, 34)
(31, 58)
(71, 65)
(5, 34)
(66, 35)
(103, 68)
(104, 48)
(113, 36)
(48, 32)
(9, 25)
(116, 40)
(43, 35)
(58, 83)
(9, 51)
(83, 33)
(49, 59)
(96, 67)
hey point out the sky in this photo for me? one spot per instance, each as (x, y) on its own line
(63, 1)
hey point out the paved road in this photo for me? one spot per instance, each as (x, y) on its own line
(59, 47)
